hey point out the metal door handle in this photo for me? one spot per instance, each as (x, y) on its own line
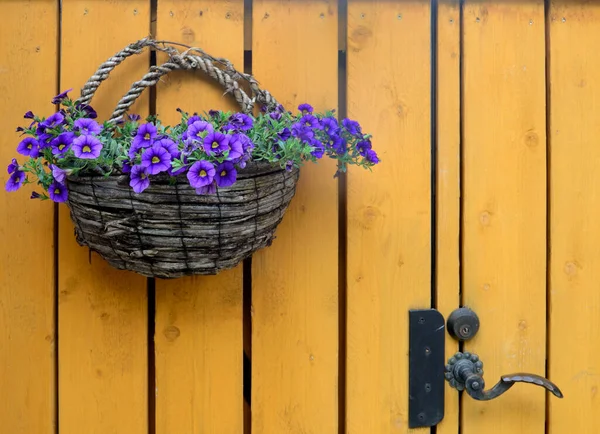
(464, 371)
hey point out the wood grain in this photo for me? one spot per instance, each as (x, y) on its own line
(574, 73)
(199, 350)
(102, 312)
(389, 210)
(295, 281)
(448, 184)
(27, 273)
(504, 208)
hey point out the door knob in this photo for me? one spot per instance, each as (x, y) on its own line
(464, 371)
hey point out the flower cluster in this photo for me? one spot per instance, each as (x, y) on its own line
(208, 149)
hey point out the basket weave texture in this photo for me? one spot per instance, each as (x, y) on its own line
(169, 231)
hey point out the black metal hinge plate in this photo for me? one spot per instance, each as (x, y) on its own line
(426, 368)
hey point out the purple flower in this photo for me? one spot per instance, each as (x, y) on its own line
(29, 147)
(19, 129)
(372, 156)
(242, 163)
(353, 127)
(216, 143)
(302, 132)
(35, 195)
(58, 174)
(318, 150)
(144, 136)
(58, 98)
(201, 174)
(170, 146)
(58, 192)
(284, 134)
(87, 126)
(309, 121)
(156, 159)
(134, 117)
(62, 143)
(87, 147)
(53, 121)
(226, 174)
(330, 126)
(138, 179)
(198, 130)
(15, 181)
(29, 115)
(207, 189)
(339, 144)
(193, 119)
(126, 167)
(363, 146)
(289, 165)
(305, 108)
(275, 116)
(89, 111)
(241, 121)
(236, 143)
(13, 166)
(214, 113)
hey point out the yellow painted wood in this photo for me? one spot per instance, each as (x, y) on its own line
(574, 74)
(198, 336)
(102, 311)
(27, 290)
(448, 183)
(389, 210)
(504, 209)
(295, 281)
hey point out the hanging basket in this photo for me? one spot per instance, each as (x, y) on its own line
(169, 231)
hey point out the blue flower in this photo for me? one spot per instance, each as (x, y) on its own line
(305, 108)
(29, 147)
(241, 122)
(353, 127)
(225, 174)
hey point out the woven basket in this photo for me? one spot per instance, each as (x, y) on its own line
(169, 231)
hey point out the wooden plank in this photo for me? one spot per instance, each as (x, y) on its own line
(574, 74)
(295, 281)
(504, 208)
(27, 290)
(199, 350)
(389, 210)
(448, 183)
(102, 312)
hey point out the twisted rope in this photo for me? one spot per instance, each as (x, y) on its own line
(219, 69)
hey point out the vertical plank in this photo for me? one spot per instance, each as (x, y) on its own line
(27, 318)
(102, 312)
(389, 210)
(295, 281)
(574, 73)
(199, 350)
(448, 183)
(504, 208)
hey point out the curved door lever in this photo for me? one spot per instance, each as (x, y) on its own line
(464, 371)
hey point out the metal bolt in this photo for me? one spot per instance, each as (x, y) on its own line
(421, 320)
(427, 351)
(475, 385)
(421, 416)
(427, 387)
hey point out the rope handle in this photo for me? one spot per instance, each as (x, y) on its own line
(191, 59)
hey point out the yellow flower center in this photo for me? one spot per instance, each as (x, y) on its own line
(61, 146)
(147, 136)
(215, 145)
(223, 172)
(57, 191)
(155, 160)
(203, 172)
(86, 148)
(29, 146)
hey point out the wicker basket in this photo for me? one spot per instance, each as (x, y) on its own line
(169, 231)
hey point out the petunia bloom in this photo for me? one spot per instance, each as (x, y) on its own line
(13, 166)
(35, 195)
(58, 98)
(29, 115)
(241, 121)
(134, 117)
(88, 110)
(207, 189)
(330, 126)
(275, 116)
(193, 119)
(156, 159)
(339, 145)
(372, 156)
(170, 146)
(236, 144)
(58, 192)
(363, 146)
(309, 121)
(353, 127)
(87, 147)
(305, 108)
(29, 147)
(87, 126)
(138, 179)
(198, 130)
(216, 143)
(302, 132)
(62, 143)
(201, 174)
(15, 181)
(318, 150)
(144, 136)
(289, 165)
(53, 121)
(284, 134)
(58, 174)
(225, 174)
